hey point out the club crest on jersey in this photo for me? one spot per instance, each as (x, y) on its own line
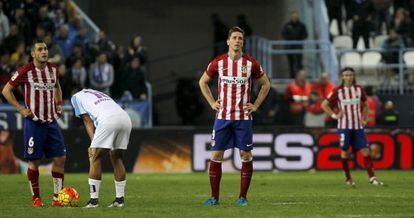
(244, 69)
(15, 76)
(30, 150)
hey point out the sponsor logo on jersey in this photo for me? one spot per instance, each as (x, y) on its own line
(44, 86)
(234, 80)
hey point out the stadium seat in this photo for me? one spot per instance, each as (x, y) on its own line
(379, 40)
(409, 59)
(333, 28)
(371, 59)
(351, 59)
(343, 42)
(361, 44)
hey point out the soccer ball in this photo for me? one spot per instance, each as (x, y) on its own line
(68, 197)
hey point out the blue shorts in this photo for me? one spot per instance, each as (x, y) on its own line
(42, 139)
(228, 134)
(352, 137)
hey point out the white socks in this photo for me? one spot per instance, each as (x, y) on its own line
(94, 187)
(120, 188)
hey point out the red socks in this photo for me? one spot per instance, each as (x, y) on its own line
(215, 177)
(33, 176)
(369, 167)
(246, 177)
(345, 167)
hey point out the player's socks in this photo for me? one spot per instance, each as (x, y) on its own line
(57, 183)
(94, 188)
(120, 188)
(369, 167)
(345, 167)
(215, 177)
(33, 176)
(245, 178)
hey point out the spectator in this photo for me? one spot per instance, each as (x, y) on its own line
(220, 35)
(372, 110)
(101, 74)
(403, 25)
(77, 74)
(64, 42)
(55, 53)
(362, 22)
(120, 62)
(103, 44)
(242, 23)
(137, 49)
(320, 92)
(335, 13)
(19, 56)
(78, 53)
(294, 30)
(389, 117)
(383, 15)
(133, 80)
(314, 115)
(4, 24)
(391, 46)
(23, 25)
(40, 32)
(11, 42)
(6, 69)
(44, 21)
(297, 97)
(59, 19)
(82, 38)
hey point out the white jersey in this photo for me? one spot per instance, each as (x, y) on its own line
(96, 104)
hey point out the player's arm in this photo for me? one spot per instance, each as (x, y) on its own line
(8, 94)
(264, 90)
(87, 121)
(205, 89)
(328, 110)
(58, 97)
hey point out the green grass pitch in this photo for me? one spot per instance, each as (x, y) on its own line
(288, 194)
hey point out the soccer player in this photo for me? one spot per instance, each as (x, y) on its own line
(233, 124)
(348, 98)
(43, 105)
(108, 127)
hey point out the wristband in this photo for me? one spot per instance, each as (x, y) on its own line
(334, 116)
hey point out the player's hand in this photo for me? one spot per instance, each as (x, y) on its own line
(364, 121)
(339, 115)
(59, 110)
(26, 112)
(216, 105)
(250, 108)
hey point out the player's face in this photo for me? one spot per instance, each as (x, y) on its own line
(235, 42)
(348, 77)
(40, 52)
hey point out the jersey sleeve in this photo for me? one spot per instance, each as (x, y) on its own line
(333, 97)
(79, 110)
(19, 77)
(212, 68)
(257, 70)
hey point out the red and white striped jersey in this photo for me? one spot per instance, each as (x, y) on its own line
(234, 84)
(38, 90)
(348, 100)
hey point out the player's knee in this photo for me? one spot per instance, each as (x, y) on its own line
(59, 161)
(217, 156)
(246, 156)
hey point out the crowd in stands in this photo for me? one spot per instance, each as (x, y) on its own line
(369, 18)
(85, 61)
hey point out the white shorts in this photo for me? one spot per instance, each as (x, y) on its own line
(113, 133)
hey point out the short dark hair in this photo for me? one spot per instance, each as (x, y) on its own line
(235, 29)
(36, 41)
